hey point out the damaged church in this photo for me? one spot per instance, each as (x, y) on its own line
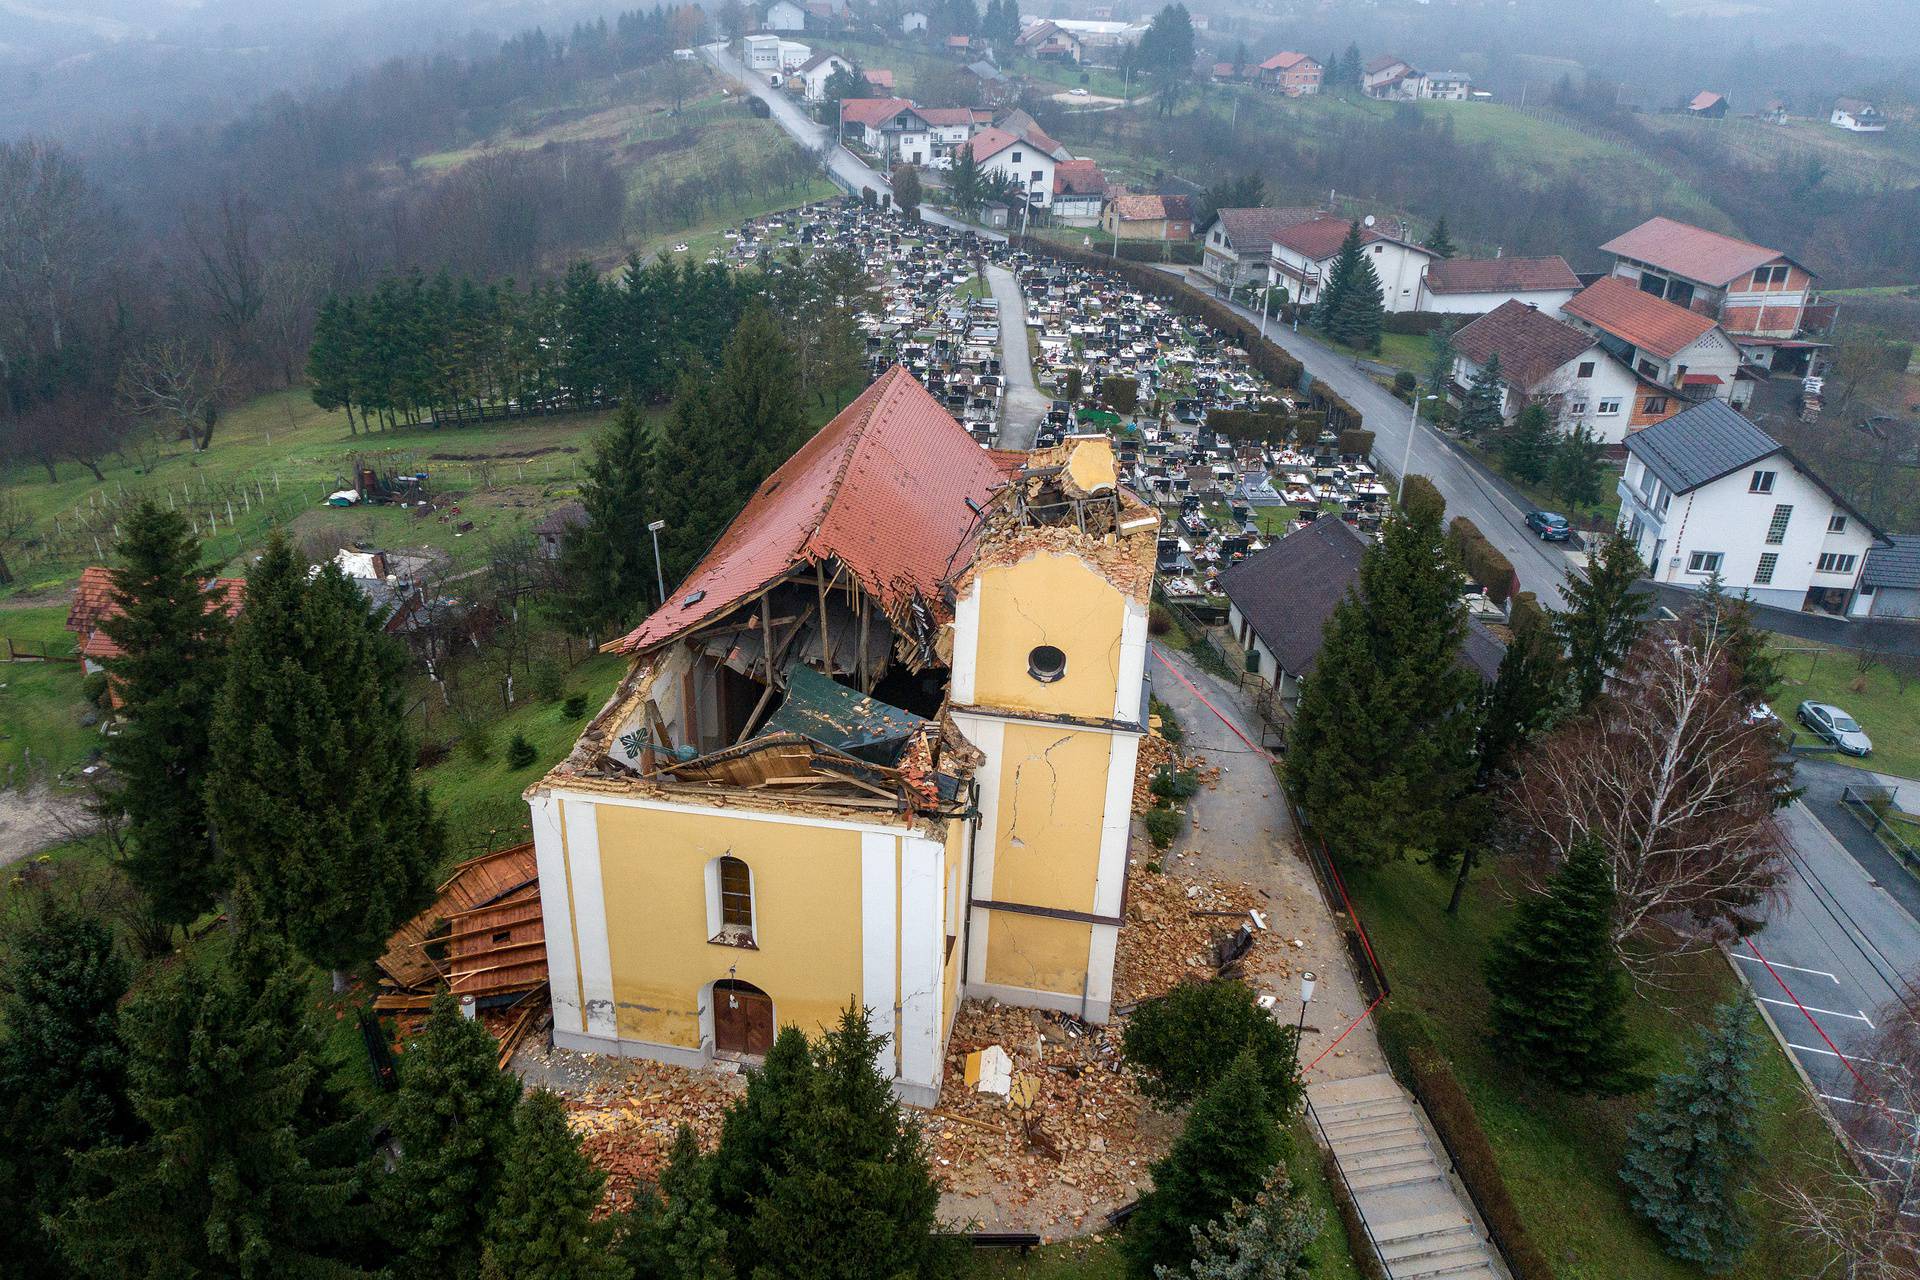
(880, 746)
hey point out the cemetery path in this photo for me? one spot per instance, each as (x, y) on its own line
(1024, 404)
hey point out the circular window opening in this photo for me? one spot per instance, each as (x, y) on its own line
(1046, 664)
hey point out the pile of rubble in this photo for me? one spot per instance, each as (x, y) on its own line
(1179, 929)
(1069, 1140)
(1156, 753)
(627, 1117)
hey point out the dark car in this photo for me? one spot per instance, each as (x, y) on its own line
(1550, 526)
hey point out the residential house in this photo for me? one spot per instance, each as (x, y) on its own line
(1681, 350)
(784, 15)
(950, 127)
(1079, 192)
(1388, 76)
(1148, 217)
(1101, 40)
(1890, 582)
(961, 47)
(1762, 298)
(95, 601)
(1022, 125)
(1294, 74)
(879, 78)
(1776, 111)
(1857, 115)
(913, 20)
(1303, 256)
(997, 151)
(1565, 370)
(1461, 286)
(1446, 86)
(1046, 41)
(1237, 244)
(992, 84)
(1707, 492)
(550, 531)
(893, 770)
(827, 15)
(891, 128)
(813, 74)
(1707, 105)
(1279, 600)
(1230, 73)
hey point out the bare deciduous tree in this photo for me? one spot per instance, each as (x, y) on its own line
(178, 383)
(1669, 774)
(1865, 1215)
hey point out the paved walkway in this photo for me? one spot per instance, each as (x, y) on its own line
(1242, 830)
(1024, 405)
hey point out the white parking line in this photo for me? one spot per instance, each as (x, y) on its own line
(1807, 1048)
(1855, 1102)
(1831, 1013)
(1741, 955)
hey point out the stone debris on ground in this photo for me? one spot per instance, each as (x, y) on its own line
(1175, 927)
(1156, 753)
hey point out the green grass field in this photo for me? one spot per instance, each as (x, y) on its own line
(1875, 696)
(1561, 1154)
(42, 703)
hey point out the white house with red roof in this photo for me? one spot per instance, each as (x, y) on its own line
(1548, 362)
(1475, 286)
(892, 128)
(812, 75)
(950, 127)
(1763, 299)
(1390, 76)
(1682, 350)
(1079, 192)
(1303, 256)
(997, 151)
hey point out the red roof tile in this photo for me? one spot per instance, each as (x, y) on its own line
(883, 489)
(1494, 275)
(1078, 177)
(1702, 100)
(1690, 251)
(991, 142)
(92, 598)
(879, 77)
(1615, 306)
(954, 115)
(1285, 60)
(94, 601)
(872, 111)
(1321, 238)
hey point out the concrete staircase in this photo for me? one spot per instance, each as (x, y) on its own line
(1418, 1213)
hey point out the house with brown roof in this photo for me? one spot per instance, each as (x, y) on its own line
(1237, 244)
(1046, 41)
(1684, 351)
(1761, 297)
(1294, 74)
(879, 746)
(1707, 105)
(1388, 76)
(951, 126)
(1857, 115)
(1079, 192)
(1303, 256)
(892, 128)
(1475, 286)
(1148, 217)
(997, 151)
(96, 602)
(812, 75)
(1563, 369)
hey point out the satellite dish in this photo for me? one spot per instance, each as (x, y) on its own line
(1367, 221)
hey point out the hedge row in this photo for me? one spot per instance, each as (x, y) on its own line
(1355, 440)
(1418, 323)
(1419, 494)
(1485, 563)
(1419, 1064)
(1248, 427)
(1266, 357)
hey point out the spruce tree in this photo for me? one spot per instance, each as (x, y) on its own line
(1603, 616)
(675, 1230)
(63, 1074)
(1270, 1239)
(606, 564)
(854, 1196)
(1360, 313)
(1229, 1143)
(766, 1122)
(1689, 1155)
(1381, 748)
(312, 791)
(172, 641)
(1577, 469)
(542, 1226)
(452, 1119)
(1440, 244)
(1556, 986)
(252, 1164)
(1480, 410)
(1527, 447)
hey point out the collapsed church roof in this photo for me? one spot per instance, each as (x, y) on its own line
(891, 489)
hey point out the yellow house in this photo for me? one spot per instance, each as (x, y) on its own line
(879, 747)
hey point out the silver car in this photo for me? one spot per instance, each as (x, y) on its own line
(1836, 726)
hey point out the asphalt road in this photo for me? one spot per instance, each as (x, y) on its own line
(1838, 943)
(1542, 566)
(1024, 404)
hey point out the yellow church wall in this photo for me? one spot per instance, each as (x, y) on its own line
(1053, 599)
(807, 917)
(1052, 799)
(1037, 953)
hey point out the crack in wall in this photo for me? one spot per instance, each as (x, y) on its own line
(1019, 773)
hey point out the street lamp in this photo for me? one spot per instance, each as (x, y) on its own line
(659, 573)
(1307, 981)
(1406, 457)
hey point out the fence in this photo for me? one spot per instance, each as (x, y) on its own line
(37, 651)
(1870, 805)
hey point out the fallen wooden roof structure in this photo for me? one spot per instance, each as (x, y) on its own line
(483, 936)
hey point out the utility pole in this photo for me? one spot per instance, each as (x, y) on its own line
(1406, 455)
